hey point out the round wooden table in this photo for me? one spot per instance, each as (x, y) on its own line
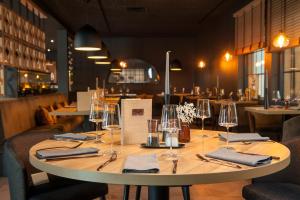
(190, 169)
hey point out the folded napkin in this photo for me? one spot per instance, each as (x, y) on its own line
(242, 137)
(44, 154)
(232, 156)
(73, 136)
(141, 164)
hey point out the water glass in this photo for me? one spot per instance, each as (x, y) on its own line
(228, 117)
(153, 135)
(111, 121)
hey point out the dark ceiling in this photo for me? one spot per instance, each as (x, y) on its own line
(138, 17)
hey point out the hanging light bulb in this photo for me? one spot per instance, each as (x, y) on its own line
(227, 56)
(123, 64)
(281, 40)
(201, 64)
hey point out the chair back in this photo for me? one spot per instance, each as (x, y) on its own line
(291, 128)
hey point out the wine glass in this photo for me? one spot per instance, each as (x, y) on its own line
(171, 124)
(111, 121)
(228, 117)
(96, 112)
(276, 97)
(203, 111)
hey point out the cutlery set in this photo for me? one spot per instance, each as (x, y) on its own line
(112, 158)
(218, 162)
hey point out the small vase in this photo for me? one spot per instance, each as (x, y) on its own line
(185, 133)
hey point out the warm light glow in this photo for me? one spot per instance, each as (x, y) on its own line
(25, 75)
(123, 64)
(259, 63)
(37, 77)
(97, 57)
(52, 41)
(281, 40)
(228, 56)
(175, 69)
(88, 48)
(102, 62)
(201, 64)
(115, 69)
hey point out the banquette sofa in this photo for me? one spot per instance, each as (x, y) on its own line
(25, 122)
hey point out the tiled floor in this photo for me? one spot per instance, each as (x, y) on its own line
(220, 191)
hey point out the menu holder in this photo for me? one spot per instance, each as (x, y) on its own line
(135, 113)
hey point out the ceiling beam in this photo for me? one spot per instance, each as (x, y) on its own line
(211, 11)
(104, 16)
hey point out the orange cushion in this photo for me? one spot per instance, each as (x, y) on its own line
(43, 117)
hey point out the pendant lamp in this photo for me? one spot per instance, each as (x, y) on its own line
(281, 40)
(103, 54)
(175, 65)
(87, 39)
(115, 66)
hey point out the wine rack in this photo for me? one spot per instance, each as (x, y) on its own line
(22, 44)
(70, 62)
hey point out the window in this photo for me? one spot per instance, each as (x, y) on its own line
(291, 71)
(256, 72)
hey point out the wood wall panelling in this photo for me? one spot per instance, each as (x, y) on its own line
(22, 41)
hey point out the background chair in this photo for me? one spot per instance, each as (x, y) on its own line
(291, 128)
(283, 185)
(19, 170)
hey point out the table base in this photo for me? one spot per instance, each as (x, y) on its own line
(158, 192)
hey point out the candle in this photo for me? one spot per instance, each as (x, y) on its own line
(96, 83)
(167, 75)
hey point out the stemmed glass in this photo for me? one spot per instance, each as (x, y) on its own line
(111, 121)
(96, 112)
(276, 96)
(171, 124)
(203, 111)
(228, 117)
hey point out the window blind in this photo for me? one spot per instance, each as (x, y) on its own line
(250, 27)
(284, 16)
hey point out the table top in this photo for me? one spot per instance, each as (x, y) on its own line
(190, 169)
(273, 111)
(69, 111)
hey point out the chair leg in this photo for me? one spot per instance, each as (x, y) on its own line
(138, 192)
(186, 192)
(126, 192)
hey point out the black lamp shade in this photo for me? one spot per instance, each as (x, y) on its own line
(175, 65)
(115, 66)
(103, 54)
(87, 39)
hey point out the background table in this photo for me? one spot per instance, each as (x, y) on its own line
(273, 111)
(190, 169)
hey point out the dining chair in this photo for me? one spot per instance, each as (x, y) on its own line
(19, 170)
(291, 128)
(283, 185)
(185, 192)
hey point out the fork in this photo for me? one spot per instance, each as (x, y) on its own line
(111, 159)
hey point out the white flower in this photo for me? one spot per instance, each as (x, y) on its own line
(186, 113)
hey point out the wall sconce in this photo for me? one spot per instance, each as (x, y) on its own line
(201, 64)
(228, 56)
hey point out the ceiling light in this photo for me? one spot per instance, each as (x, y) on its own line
(115, 66)
(102, 62)
(87, 39)
(228, 56)
(201, 64)
(175, 65)
(123, 64)
(281, 40)
(103, 54)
